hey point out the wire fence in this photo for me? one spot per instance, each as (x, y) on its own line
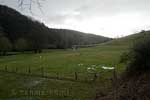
(42, 72)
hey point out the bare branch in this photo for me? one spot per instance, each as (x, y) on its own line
(30, 4)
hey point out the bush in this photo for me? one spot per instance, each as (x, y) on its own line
(21, 45)
(138, 58)
(5, 45)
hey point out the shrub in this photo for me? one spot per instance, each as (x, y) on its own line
(21, 45)
(5, 45)
(138, 58)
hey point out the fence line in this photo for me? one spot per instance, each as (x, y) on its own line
(75, 77)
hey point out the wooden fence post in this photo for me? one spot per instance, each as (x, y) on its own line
(6, 69)
(29, 70)
(95, 77)
(42, 71)
(57, 75)
(76, 76)
(16, 70)
(115, 84)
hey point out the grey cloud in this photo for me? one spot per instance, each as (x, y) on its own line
(57, 19)
(96, 8)
(62, 17)
(90, 7)
(111, 7)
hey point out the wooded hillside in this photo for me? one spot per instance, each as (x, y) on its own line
(23, 33)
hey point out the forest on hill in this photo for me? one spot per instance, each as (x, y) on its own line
(20, 33)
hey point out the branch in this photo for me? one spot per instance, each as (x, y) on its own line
(30, 3)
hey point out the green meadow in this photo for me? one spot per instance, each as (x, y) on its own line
(60, 65)
(63, 63)
(91, 70)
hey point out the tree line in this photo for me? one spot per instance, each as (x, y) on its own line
(21, 33)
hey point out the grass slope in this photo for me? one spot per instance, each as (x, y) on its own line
(129, 40)
(64, 62)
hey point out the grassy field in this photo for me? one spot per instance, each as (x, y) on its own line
(64, 62)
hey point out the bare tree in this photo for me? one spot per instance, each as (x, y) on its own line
(30, 3)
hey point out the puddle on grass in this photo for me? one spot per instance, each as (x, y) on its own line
(94, 68)
(33, 82)
(109, 68)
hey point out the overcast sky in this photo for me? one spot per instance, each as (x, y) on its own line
(104, 17)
